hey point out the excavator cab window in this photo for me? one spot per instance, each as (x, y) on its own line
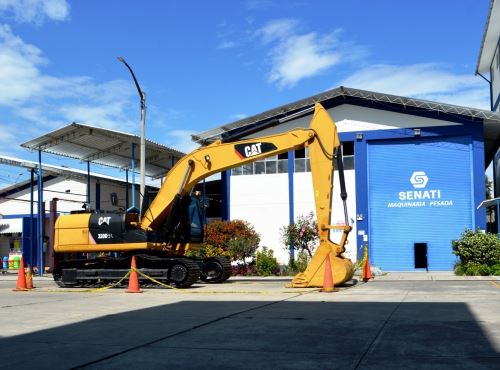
(195, 220)
(184, 223)
(147, 199)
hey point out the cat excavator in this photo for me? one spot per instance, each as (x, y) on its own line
(169, 227)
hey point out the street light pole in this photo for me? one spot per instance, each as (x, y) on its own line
(142, 95)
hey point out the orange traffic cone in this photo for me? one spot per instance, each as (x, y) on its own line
(133, 280)
(21, 278)
(328, 277)
(29, 278)
(367, 272)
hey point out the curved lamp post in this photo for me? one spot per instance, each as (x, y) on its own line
(142, 95)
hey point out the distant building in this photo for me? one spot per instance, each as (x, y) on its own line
(415, 174)
(488, 67)
(66, 189)
(488, 64)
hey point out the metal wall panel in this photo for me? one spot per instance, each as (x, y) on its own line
(420, 191)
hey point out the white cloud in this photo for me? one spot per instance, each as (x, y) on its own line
(300, 57)
(50, 101)
(8, 133)
(278, 29)
(295, 56)
(180, 140)
(35, 11)
(424, 81)
(227, 45)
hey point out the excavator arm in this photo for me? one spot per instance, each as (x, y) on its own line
(163, 234)
(323, 142)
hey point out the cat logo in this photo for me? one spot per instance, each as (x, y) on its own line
(103, 220)
(254, 149)
(249, 150)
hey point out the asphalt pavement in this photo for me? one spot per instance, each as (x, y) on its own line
(419, 321)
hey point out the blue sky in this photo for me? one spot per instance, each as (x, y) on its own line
(206, 63)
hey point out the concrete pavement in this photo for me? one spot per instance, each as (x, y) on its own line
(254, 323)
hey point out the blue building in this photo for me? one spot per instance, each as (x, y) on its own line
(415, 173)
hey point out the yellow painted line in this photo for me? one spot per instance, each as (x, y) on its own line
(496, 284)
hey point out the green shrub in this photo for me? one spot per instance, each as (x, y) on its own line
(242, 248)
(477, 269)
(301, 235)
(266, 263)
(477, 248)
(459, 269)
(236, 240)
(495, 270)
(302, 261)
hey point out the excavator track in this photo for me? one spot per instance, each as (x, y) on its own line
(180, 272)
(215, 269)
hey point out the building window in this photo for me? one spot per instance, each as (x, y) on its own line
(271, 165)
(279, 163)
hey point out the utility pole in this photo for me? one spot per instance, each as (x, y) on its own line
(142, 95)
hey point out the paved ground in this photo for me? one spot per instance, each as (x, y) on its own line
(397, 321)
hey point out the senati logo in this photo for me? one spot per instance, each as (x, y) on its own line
(419, 179)
(253, 149)
(420, 196)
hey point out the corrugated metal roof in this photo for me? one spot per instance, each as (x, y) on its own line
(49, 169)
(11, 225)
(344, 92)
(106, 147)
(490, 38)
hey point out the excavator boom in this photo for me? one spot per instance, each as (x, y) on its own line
(166, 227)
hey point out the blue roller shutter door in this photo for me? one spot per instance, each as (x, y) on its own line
(419, 192)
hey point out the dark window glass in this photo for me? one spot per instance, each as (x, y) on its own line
(259, 168)
(271, 167)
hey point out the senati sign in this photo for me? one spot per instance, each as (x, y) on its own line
(419, 196)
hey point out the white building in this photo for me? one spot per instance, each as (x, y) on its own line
(388, 141)
(65, 187)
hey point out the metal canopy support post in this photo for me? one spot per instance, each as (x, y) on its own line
(40, 214)
(88, 185)
(133, 175)
(291, 208)
(496, 219)
(126, 189)
(32, 244)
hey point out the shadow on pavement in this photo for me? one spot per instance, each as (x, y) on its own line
(263, 335)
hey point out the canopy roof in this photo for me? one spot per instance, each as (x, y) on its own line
(105, 147)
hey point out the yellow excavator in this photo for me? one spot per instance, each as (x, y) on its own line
(168, 227)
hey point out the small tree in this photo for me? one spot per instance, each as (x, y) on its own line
(236, 239)
(243, 247)
(266, 263)
(302, 235)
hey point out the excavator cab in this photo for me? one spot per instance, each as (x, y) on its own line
(184, 223)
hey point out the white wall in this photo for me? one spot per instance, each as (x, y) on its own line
(68, 201)
(304, 203)
(262, 200)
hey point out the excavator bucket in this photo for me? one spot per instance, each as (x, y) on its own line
(324, 152)
(342, 268)
(313, 276)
